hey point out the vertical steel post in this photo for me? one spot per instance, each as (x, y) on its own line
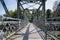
(18, 12)
(18, 9)
(44, 19)
(38, 11)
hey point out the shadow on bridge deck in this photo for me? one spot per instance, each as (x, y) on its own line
(27, 33)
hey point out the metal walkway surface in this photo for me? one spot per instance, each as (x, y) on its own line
(27, 33)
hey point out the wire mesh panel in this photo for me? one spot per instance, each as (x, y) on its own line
(11, 27)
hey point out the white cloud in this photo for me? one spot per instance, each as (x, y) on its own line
(49, 4)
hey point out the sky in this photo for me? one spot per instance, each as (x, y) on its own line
(12, 5)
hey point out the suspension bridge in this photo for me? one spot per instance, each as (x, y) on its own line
(22, 29)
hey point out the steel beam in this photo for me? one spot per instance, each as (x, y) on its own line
(4, 6)
(39, 7)
(27, 3)
(38, 10)
(44, 19)
(21, 5)
(18, 9)
(31, 6)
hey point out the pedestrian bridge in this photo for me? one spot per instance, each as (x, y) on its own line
(29, 31)
(22, 29)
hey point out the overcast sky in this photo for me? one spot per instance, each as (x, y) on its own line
(11, 5)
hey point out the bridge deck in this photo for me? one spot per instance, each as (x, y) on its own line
(27, 33)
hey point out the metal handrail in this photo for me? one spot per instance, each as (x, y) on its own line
(53, 22)
(54, 18)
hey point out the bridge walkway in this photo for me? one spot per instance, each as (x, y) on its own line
(28, 33)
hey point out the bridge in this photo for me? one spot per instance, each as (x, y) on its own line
(22, 29)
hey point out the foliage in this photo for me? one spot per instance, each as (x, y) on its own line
(49, 13)
(27, 14)
(13, 14)
(40, 15)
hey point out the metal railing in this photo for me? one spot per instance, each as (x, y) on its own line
(49, 34)
(11, 27)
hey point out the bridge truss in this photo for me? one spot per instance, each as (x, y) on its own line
(22, 2)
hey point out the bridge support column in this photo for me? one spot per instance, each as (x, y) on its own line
(18, 12)
(18, 8)
(44, 19)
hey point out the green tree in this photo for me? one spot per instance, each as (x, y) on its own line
(40, 15)
(27, 14)
(13, 14)
(48, 13)
(34, 11)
